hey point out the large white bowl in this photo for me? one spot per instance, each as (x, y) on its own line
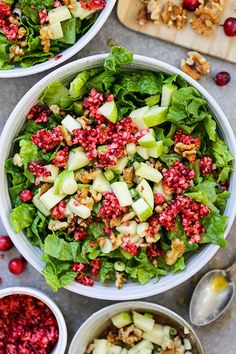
(62, 340)
(67, 53)
(32, 254)
(99, 321)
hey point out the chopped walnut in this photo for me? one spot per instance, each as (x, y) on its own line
(111, 338)
(120, 280)
(116, 240)
(177, 250)
(55, 225)
(84, 121)
(17, 160)
(205, 17)
(174, 15)
(142, 18)
(128, 175)
(187, 151)
(85, 198)
(129, 335)
(154, 9)
(86, 176)
(70, 4)
(114, 222)
(96, 195)
(101, 241)
(153, 238)
(159, 208)
(44, 188)
(15, 52)
(46, 36)
(158, 165)
(195, 65)
(21, 32)
(55, 109)
(66, 135)
(85, 222)
(128, 216)
(169, 351)
(14, 20)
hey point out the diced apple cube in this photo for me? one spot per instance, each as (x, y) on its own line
(81, 12)
(50, 199)
(142, 209)
(155, 116)
(59, 14)
(122, 193)
(148, 172)
(70, 124)
(56, 30)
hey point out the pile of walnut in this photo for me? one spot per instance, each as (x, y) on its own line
(203, 20)
(195, 65)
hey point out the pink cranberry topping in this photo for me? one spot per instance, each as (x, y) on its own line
(206, 165)
(191, 212)
(187, 139)
(10, 31)
(61, 158)
(95, 267)
(58, 212)
(5, 10)
(47, 140)
(154, 251)
(38, 169)
(80, 234)
(27, 325)
(111, 208)
(84, 280)
(129, 247)
(16, 266)
(224, 185)
(39, 113)
(5, 243)
(57, 3)
(93, 4)
(43, 17)
(178, 177)
(78, 267)
(92, 103)
(26, 195)
(159, 199)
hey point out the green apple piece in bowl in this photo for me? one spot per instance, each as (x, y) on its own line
(155, 116)
(142, 209)
(157, 150)
(148, 172)
(147, 141)
(122, 193)
(137, 117)
(145, 191)
(59, 14)
(167, 93)
(77, 159)
(109, 110)
(101, 184)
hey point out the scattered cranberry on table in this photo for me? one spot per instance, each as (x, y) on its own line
(230, 26)
(16, 266)
(190, 5)
(222, 78)
(5, 243)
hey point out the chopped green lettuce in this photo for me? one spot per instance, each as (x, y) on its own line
(22, 216)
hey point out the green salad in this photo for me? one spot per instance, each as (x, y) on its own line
(32, 31)
(119, 175)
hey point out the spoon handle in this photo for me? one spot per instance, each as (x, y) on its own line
(231, 268)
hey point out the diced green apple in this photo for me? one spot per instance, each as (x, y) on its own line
(129, 229)
(109, 175)
(81, 210)
(142, 209)
(155, 335)
(40, 206)
(59, 14)
(145, 191)
(158, 188)
(50, 199)
(54, 172)
(124, 351)
(114, 349)
(77, 159)
(141, 346)
(143, 152)
(167, 93)
(122, 193)
(70, 124)
(101, 184)
(142, 322)
(142, 229)
(156, 151)
(80, 12)
(131, 149)
(137, 117)
(109, 110)
(56, 30)
(147, 141)
(122, 319)
(120, 166)
(106, 246)
(148, 172)
(65, 183)
(155, 116)
(100, 346)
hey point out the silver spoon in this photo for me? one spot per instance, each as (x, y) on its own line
(212, 296)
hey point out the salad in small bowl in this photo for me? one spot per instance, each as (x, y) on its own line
(120, 176)
(37, 35)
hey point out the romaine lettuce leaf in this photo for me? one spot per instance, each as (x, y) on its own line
(144, 82)
(60, 249)
(221, 153)
(117, 58)
(22, 216)
(53, 93)
(215, 227)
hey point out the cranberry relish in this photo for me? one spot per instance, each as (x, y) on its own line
(118, 176)
(27, 325)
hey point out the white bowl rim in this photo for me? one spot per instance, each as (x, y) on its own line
(107, 292)
(130, 305)
(67, 53)
(62, 339)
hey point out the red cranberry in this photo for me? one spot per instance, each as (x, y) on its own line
(222, 78)
(190, 5)
(16, 266)
(5, 243)
(230, 26)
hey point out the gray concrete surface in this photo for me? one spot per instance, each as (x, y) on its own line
(217, 338)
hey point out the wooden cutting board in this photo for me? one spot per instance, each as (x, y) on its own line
(217, 44)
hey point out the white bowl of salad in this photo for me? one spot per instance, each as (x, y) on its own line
(135, 328)
(38, 35)
(119, 179)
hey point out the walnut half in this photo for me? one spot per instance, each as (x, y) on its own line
(177, 250)
(173, 15)
(195, 65)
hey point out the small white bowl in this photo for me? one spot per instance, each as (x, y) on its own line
(62, 340)
(67, 53)
(32, 254)
(99, 321)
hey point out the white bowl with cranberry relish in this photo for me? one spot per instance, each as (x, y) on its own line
(60, 345)
(97, 324)
(109, 291)
(67, 53)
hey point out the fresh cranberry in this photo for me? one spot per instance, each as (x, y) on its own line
(61, 158)
(26, 195)
(84, 280)
(78, 267)
(58, 212)
(222, 78)
(93, 4)
(206, 165)
(187, 139)
(190, 5)
(5, 243)
(38, 169)
(80, 234)
(47, 140)
(16, 266)
(111, 208)
(154, 251)
(230, 26)
(159, 199)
